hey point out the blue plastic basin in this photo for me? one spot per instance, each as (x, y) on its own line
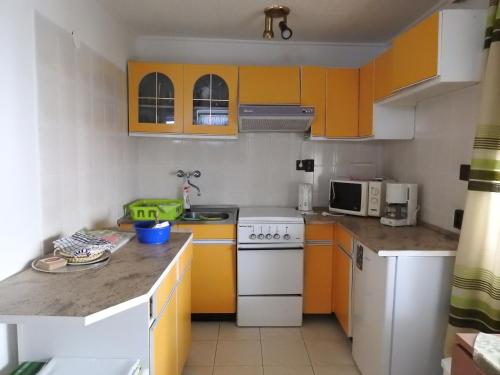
(152, 236)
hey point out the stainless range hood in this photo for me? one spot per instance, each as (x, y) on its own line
(275, 118)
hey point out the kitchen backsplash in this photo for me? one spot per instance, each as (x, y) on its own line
(87, 161)
(256, 169)
(445, 127)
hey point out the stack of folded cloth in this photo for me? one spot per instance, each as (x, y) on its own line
(81, 247)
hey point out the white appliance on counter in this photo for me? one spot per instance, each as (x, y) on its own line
(305, 197)
(400, 312)
(401, 205)
(270, 266)
(358, 197)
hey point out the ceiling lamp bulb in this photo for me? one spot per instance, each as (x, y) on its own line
(286, 32)
(268, 28)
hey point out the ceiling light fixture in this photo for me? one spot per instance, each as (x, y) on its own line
(276, 11)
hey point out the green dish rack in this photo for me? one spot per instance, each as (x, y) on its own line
(152, 209)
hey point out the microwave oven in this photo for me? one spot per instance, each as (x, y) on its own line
(362, 198)
(349, 197)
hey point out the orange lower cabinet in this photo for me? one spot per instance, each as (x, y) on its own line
(184, 317)
(164, 336)
(214, 278)
(342, 288)
(317, 279)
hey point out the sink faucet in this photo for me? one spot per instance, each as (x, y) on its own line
(187, 184)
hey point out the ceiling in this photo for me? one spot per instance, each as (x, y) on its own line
(336, 21)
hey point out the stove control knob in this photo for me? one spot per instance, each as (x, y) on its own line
(277, 236)
(269, 236)
(261, 236)
(286, 236)
(253, 236)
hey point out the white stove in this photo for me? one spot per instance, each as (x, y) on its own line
(270, 266)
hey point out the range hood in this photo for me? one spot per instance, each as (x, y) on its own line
(275, 118)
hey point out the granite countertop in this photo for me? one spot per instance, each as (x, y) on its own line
(386, 240)
(129, 279)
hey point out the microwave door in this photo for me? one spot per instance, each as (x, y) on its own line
(346, 196)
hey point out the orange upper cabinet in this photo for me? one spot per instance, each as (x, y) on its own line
(342, 100)
(313, 94)
(416, 53)
(382, 72)
(155, 97)
(210, 99)
(366, 100)
(269, 85)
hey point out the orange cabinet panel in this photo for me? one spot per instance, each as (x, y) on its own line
(416, 53)
(210, 99)
(319, 232)
(269, 85)
(164, 337)
(184, 318)
(342, 288)
(313, 94)
(366, 100)
(214, 278)
(318, 279)
(165, 290)
(208, 232)
(383, 75)
(342, 99)
(185, 259)
(155, 97)
(343, 238)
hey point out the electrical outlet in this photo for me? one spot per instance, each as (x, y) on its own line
(457, 219)
(306, 165)
(464, 172)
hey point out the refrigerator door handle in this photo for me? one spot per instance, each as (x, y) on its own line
(359, 257)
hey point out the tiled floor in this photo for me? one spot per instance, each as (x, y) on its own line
(318, 348)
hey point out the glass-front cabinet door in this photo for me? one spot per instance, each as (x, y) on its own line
(210, 93)
(155, 97)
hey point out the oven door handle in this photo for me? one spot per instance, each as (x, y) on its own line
(267, 248)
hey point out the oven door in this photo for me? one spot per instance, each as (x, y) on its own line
(270, 271)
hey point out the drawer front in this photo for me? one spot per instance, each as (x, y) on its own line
(208, 231)
(343, 238)
(164, 290)
(319, 232)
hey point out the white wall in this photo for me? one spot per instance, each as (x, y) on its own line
(221, 51)
(257, 169)
(21, 229)
(445, 127)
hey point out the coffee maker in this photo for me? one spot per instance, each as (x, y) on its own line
(400, 205)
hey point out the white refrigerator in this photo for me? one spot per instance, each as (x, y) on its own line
(400, 312)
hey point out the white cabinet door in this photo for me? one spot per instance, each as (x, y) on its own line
(372, 311)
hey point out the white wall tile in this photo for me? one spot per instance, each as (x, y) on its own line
(444, 136)
(88, 162)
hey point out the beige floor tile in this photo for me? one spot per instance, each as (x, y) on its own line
(202, 353)
(230, 331)
(284, 352)
(322, 328)
(238, 370)
(336, 370)
(328, 353)
(288, 370)
(238, 353)
(281, 333)
(197, 370)
(205, 331)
